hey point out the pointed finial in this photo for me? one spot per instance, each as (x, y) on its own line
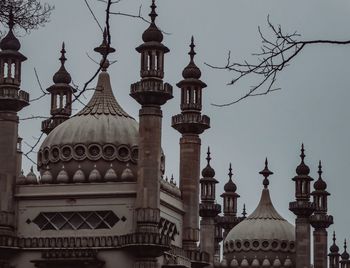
(334, 238)
(302, 155)
(31, 169)
(208, 155)
(266, 173)
(63, 53)
(302, 169)
(319, 169)
(166, 178)
(244, 213)
(230, 172)
(172, 179)
(11, 21)
(104, 49)
(153, 13)
(192, 53)
(345, 246)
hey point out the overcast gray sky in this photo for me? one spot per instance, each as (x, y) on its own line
(312, 107)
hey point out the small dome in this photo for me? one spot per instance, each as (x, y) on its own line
(345, 255)
(31, 177)
(334, 248)
(234, 262)
(208, 171)
(110, 174)
(152, 34)
(266, 262)
(255, 262)
(302, 169)
(244, 262)
(95, 175)
(287, 262)
(230, 187)
(79, 176)
(320, 184)
(191, 70)
(127, 174)
(47, 176)
(10, 42)
(21, 178)
(277, 262)
(62, 76)
(62, 176)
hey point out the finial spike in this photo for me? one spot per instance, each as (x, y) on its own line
(192, 53)
(244, 213)
(11, 21)
(334, 238)
(208, 156)
(230, 172)
(63, 54)
(302, 155)
(153, 13)
(266, 173)
(319, 169)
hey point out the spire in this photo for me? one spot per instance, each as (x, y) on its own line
(153, 13)
(334, 248)
(266, 173)
(191, 70)
(104, 49)
(244, 213)
(62, 76)
(208, 171)
(302, 169)
(345, 254)
(152, 33)
(230, 186)
(320, 184)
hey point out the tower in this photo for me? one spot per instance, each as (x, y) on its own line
(320, 221)
(303, 209)
(190, 123)
(151, 93)
(229, 219)
(12, 100)
(345, 262)
(61, 97)
(208, 209)
(334, 254)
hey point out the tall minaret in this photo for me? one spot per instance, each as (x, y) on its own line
(303, 209)
(151, 93)
(12, 100)
(320, 221)
(190, 123)
(345, 262)
(334, 254)
(208, 210)
(61, 97)
(229, 219)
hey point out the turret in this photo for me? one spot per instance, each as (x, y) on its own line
(345, 262)
(190, 123)
(303, 209)
(61, 97)
(320, 221)
(334, 254)
(208, 210)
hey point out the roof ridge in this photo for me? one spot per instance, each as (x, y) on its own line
(103, 100)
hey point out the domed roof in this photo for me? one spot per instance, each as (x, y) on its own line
(101, 133)
(152, 33)
(265, 223)
(10, 42)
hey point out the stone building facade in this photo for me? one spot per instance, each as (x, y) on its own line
(101, 200)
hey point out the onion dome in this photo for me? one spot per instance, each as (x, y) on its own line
(230, 186)
(79, 176)
(21, 178)
(110, 174)
(266, 262)
(234, 262)
(62, 76)
(277, 262)
(244, 262)
(47, 176)
(100, 134)
(62, 176)
(127, 174)
(31, 177)
(191, 70)
(302, 169)
(334, 248)
(152, 33)
(287, 262)
(10, 42)
(208, 171)
(95, 175)
(320, 184)
(345, 254)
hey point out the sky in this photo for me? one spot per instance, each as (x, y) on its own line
(312, 106)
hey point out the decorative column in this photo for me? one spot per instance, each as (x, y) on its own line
(334, 254)
(151, 93)
(303, 209)
(12, 100)
(61, 96)
(320, 221)
(190, 123)
(208, 210)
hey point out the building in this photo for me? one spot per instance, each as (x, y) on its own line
(101, 199)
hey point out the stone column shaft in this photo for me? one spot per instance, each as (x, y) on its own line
(190, 145)
(320, 248)
(207, 240)
(8, 169)
(302, 241)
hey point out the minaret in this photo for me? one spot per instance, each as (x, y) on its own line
(303, 209)
(151, 92)
(320, 221)
(190, 123)
(345, 262)
(12, 100)
(334, 254)
(208, 210)
(61, 97)
(229, 219)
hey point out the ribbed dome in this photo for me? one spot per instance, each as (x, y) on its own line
(263, 224)
(101, 133)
